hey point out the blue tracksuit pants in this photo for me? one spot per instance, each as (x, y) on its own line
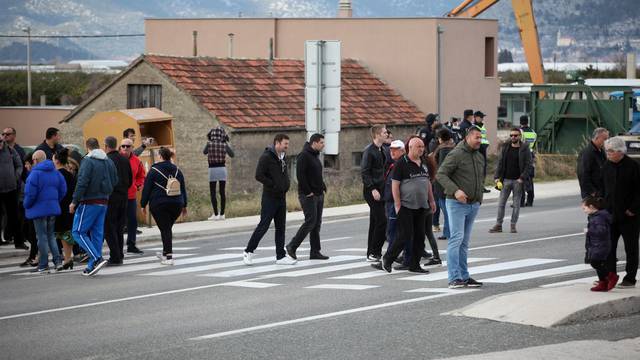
(88, 229)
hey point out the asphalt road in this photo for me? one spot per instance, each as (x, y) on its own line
(209, 305)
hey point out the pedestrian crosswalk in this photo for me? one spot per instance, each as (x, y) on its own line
(345, 270)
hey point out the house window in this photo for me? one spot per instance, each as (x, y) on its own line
(143, 96)
(356, 159)
(489, 57)
(332, 162)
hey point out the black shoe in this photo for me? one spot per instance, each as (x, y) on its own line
(5, 243)
(114, 263)
(472, 283)
(22, 246)
(400, 259)
(40, 271)
(317, 255)
(401, 267)
(291, 251)
(433, 262)
(99, 265)
(485, 190)
(427, 255)
(457, 284)
(442, 238)
(382, 265)
(66, 266)
(138, 232)
(134, 251)
(28, 262)
(626, 284)
(373, 258)
(419, 270)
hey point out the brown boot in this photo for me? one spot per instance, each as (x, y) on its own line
(513, 229)
(497, 228)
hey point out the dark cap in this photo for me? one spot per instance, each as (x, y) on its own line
(468, 112)
(478, 114)
(524, 120)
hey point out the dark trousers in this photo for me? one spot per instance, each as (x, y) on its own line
(483, 151)
(528, 191)
(10, 202)
(436, 215)
(214, 199)
(312, 208)
(428, 229)
(114, 226)
(132, 222)
(165, 215)
(272, 208)
(377, 224)
(601, 269)
(410, 229)
(630, 231)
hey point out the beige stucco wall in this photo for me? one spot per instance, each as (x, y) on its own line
(31, 123)
(401, 51)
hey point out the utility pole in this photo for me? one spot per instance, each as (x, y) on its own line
(28, 31)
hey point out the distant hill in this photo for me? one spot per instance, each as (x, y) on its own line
(570, 30)
(41, 53)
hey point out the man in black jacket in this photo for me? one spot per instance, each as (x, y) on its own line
(590, 162)
(622, 196)
(467, 121)
(117, 206)
(311, 188)
(512, 171)
(51, 144)
(372, 171)
(272, 172)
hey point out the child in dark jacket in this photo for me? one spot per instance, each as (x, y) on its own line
(598, 242)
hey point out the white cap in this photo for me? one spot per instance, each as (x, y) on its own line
(397, 144)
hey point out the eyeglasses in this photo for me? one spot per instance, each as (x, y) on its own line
(125, 146)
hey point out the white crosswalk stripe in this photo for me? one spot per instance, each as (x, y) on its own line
(253, 270)
(208, 267)
(538, 274)
(194, 260)
(342, 287)
(377, 273)
(509, 265)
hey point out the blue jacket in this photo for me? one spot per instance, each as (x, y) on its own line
(96, 178)
(44, 190)
(598, 242)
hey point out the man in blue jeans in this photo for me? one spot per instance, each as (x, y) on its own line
(396, 152)
(96, 179)
(462, 176)
(272, 172)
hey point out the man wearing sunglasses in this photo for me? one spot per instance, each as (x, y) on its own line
(137, 170)
(512, 171)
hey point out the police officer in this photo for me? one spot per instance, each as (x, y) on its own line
(530, 137)
(478, 119)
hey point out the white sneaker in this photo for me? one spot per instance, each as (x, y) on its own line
(220, 217)
(213, 217)
(160, 256)
(167, 262)
(247, 258)
(287, 260)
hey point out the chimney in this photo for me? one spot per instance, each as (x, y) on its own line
(270, 68)
(231, 45)
(631, 65)
(43, 100)
(344, 9)
(195, 43)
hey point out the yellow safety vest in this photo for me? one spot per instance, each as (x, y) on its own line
(530, 138)
(483, 130)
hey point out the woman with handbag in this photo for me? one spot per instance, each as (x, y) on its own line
(165, 193)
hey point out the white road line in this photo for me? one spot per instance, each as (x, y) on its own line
(364, 250)
(526, 241)
(272, 268)
(377, 273)
(251, 284)
(320, 270)
(509, 265)
(207, 267)
(261, 248)
(175, 248)
(505, 279)
(335, 239)
(329, 315)
(127, 261)
(342, 287)
(187, 261)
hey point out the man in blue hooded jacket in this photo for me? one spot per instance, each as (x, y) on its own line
(96, 179)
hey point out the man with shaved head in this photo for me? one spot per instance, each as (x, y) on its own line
(413, 198)
(138, 173)
(43, 192)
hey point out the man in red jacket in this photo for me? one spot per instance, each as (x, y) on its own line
(137, 169)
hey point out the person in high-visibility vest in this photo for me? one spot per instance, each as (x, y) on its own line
(478, 119)
(530, 137)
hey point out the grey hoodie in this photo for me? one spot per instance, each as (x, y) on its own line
(10, 168)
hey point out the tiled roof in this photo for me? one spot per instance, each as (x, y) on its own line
(243, 94)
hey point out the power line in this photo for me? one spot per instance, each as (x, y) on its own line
(71, 36)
